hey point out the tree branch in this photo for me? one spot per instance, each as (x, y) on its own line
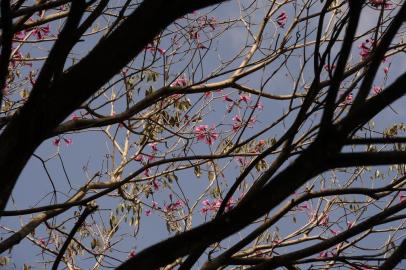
(88, 210)
(54, 104)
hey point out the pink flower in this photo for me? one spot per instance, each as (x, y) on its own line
(39, 32)
(245, 98)
(252, 121)
(243, 161)
(304, 206)
(377, 89)
(258, 106)
(56, 142)
(174, 206)
(324, 220)
(365, 48)
(154, 205)
(19, 35)
(211, 22)
(386, 70)
(335, 232)
(68, 141)
(74, 117)
(226, 98)
(237, 118)
(210, 93)
(154, 49)
(207, 94)
(282, 19)
(238, 122)
(138, 158)
(131, 253)
(206, 134)
(348, 99)
(161, 51)
(42, 242)
(156, 185)
(148, 212)
(180, 82)
(323, 254)
(230, 107)
(215, 205)
(384, 3)
(154, 146)
(402, 198)
(276, 241)
(329, 67)
(260, 146)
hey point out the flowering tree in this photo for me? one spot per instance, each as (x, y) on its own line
(261, 134)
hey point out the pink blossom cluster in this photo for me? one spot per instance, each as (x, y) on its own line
(153, 49)
(154, 206)
(239, 123)
(215, 205)
(181, 81)
(41, 31)
(242, 99)
(380, 3)
(205, 21)
(173, 206)
(206, 134)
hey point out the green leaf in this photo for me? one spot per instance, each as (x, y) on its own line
(93, 244)
(197, 171)
(212, 176)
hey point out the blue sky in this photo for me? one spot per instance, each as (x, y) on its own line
(87, 154)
